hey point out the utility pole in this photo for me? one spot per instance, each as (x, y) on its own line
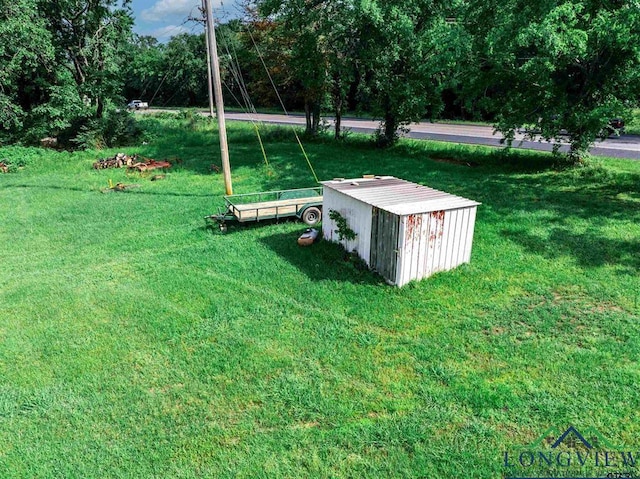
(217, 85)
(210, 83)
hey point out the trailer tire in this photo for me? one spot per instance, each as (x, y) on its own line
(311, 216)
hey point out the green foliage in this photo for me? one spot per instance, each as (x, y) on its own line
(254, 53)
(409, 53)
(91, 40)
(342, 228)
(26, 59)
(145, 71)
(60, 116)
(185, 70)
(633, 126)
(22, 156)
(400, 55)
(303, 27)
(172, 74)
(193, 119)
(61, 63)
(557, 67)
(115, 128)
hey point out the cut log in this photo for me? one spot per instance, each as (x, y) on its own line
(150, 165)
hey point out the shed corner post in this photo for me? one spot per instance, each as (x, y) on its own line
(400, 269)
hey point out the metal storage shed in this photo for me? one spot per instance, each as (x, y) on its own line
(404, 231)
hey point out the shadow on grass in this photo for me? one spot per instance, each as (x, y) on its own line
(565, 195)
(589, 249)
(322, 261)
(511, 184)
(235, 227)
(48, 187)
(198, 148)
(136, 189)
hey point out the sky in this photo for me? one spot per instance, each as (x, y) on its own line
(166, 18)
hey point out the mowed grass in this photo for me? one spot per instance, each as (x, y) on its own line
(137, 343)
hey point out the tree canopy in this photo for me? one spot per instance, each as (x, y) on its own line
(410, 52)
(559, 68)
(61, 62)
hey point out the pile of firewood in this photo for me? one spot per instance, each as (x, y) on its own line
(119, 161)
(131, 162)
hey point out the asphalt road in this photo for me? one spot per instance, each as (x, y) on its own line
(625, 146)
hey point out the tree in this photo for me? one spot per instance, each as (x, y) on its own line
(558, 65)
(259, 52)
(145, 70)
(60, 64)
(409, 51)
(300, 24)
(26, 64)
(91, 38)
(401, 53)
(185, 70)
(340, 42)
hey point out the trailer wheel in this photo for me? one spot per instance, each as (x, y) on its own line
(312, 215)
(223, 227)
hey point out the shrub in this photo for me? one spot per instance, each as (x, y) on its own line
(193, 118)
(19, 156)
(115, 128)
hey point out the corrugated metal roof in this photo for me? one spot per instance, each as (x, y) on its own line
(398, 196)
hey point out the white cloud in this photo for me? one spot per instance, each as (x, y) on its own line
(166, 9)
(164, 33)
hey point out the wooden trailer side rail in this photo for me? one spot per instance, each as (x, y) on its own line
(272, 209)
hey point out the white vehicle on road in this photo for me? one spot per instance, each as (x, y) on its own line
(137, 104)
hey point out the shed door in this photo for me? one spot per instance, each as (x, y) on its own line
(385, 228)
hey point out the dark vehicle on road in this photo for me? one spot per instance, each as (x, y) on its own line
(616, 126)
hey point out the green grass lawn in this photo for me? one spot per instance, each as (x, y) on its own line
(136, 343)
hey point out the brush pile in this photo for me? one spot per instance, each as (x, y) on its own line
(134, 162)
(119, 161)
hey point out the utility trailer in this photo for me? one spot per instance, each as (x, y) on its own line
(304, 204)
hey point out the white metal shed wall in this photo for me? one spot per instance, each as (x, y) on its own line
(434, 241)
(358, 216)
